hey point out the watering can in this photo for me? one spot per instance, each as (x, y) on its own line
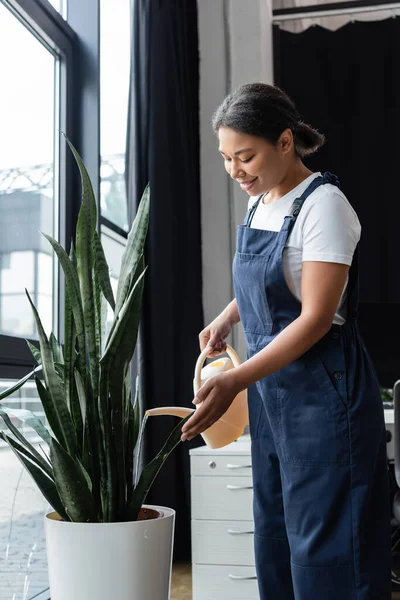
(232, 423)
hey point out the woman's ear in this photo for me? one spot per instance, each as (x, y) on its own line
(286, 142)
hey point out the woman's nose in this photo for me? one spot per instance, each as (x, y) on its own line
(236, 171)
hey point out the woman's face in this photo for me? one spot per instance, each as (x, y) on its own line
(255, 163)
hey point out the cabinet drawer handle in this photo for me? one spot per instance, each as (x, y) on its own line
(241, 577)
(239, 466)
(235, 532)
(239, 487)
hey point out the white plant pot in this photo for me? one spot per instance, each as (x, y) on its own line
(103, 561)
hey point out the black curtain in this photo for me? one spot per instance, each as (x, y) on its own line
(163, 149)
(347, 84)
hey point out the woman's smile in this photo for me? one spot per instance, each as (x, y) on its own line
(247, 185)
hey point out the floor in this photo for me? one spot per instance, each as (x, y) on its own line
(181, 588)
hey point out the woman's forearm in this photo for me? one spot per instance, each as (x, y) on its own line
(289, 345)
(231, 312)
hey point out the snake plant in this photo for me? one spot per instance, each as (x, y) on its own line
(87, 467)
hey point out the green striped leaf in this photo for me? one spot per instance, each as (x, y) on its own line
(109, 472)
(151, 471)
(58, 416)
(32, 450)
(74, 293)
(40, 463)
(98, 295)
(127, 325)
(54, 388)
(86, 226)
(134, 249)
(133, 427)
(27, 417)
(72, 486)
(69, 344)
(102, 270)
(56, 350)
(35, 352)
(115, 362)
(45, 485)
(19, 384)
(81, 394)
(76, 415)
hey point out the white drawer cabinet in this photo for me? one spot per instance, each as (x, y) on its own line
(219, 582)
(222, 523)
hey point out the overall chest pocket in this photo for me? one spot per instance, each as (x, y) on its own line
(250, 275)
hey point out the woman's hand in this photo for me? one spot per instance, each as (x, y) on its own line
(216, 396)
(215, 334)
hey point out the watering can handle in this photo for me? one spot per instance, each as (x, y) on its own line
(201, 360)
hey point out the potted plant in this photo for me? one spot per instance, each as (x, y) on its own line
(102, 541)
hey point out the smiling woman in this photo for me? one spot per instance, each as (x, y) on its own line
(316, 417)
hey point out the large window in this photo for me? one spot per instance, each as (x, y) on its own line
(28, 197)
(115, 54)
(61, 6)
(49, 71)
(36, 195)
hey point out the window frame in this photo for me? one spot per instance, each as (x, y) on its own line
(76, 42)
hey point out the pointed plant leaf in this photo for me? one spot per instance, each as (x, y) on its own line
(103, 322)
(102, 270)
(46, 485)
(130, 449)
(76, 415)
(86, 475)
(21, 438)
(69, 343)
(35, 352)
(81, 394)
(86, 226)
(19, 384)
(151, 470)
(12, 442)
(134, 249)
(123, 333)
(72, 485)
(56, 350)
(54, 387)
(30, 419)
(60, 368)
(97, 295)
(58, 416)
(136, 413)
(74, 293)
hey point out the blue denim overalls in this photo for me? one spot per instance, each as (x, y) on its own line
(321, 499)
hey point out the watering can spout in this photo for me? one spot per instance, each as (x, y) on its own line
(233, 422)
(173, 411)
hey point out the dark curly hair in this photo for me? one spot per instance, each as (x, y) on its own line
(266, 111)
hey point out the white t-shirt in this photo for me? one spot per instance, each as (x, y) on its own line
(326, 230)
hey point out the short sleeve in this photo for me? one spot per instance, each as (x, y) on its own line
(330, 230)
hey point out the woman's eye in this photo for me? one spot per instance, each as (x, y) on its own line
(248, 159)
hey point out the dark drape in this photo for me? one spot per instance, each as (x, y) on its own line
(346, 83)
(163, 148)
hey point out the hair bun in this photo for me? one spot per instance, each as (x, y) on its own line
(307, 139)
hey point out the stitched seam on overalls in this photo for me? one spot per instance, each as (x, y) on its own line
(356, 561)
(269, 537)
(344, 566)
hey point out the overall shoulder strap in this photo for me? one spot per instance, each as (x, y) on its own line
(251, 212)
(298, 203)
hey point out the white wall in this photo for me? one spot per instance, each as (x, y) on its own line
(235, 48)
